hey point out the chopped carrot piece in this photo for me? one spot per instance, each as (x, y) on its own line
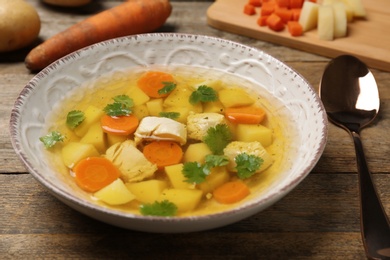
(295, 12)
(294, 28)
(249, 9)
(94, 173)
(245, 115)
(296, 3)
(283, 3)
(152, 81)
(163, 153)
(256, 3)
(275, 23)
(262, 20)
(267, 8)
(284, 13)
(119, 125)
(231, 192)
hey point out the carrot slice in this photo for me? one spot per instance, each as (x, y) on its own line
(262, 20)
(119, 125)
(94, 173)
(296, 12)
(152, 81)
(163, 153)
(231, 192)
(294, 28)
(283, 3)
(284, 13)
(249, 9)
(256, 3)
(245, 115)
(275, 23)
(296, 3)
(268, 8)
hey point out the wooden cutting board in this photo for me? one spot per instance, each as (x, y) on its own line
(368, 39)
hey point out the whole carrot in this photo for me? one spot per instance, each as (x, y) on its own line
(131, 17)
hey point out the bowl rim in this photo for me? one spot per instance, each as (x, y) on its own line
(60, 193)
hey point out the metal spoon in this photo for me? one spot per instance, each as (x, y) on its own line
(350, 95)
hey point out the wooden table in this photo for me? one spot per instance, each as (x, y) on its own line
(318, 220)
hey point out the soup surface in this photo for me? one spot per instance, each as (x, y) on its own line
(196, 141)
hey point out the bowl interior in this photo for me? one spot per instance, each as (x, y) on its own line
(295, 100)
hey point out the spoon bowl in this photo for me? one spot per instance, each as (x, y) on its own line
(350, 96)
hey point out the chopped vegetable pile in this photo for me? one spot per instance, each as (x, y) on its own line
(165, 147)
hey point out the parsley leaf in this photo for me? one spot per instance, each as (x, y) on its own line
(52, 138)
(168, 88)
(121, 106)
(74, 118)
(217, 138)
(247, 164)
(171, 115)
(164, 208)
(212, 160)
(195, 172)
(203, 94)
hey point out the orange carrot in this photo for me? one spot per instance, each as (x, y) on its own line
(119, 125)
(94, 173)
(245, 115)
(231, 192)
(249, 9)
(262, 20)
(163, 153)
(256, 3)
(296, 3)
(284, 13)
(268, 8)
(283, 3)
(294, 28)
(275, 23)
(131, 17)
(296, 12)
(152, 81)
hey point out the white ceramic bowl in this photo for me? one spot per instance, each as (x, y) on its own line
(273, 77)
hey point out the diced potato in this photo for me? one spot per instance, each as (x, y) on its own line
(340, 19)
(137, 95)
(184, 199)
(234, 97)
(116, 193)
(147, 191)
(217, 177)
(179, 97)
(113, 139)
(309, 16)
(183, 113)
(357, 7)
(92, 115)
(213, 107)
(251, 133)
(196, 153)
(325, 23)
(176, 177)
(155, 106)
(140, 111)
(199, 124)
(73, 152)
(95, 136)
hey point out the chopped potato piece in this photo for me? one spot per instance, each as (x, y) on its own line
(116, 193)
(184, 199)
(234, 97)
(95, 136)
(309, 16)
(137, 95)
(176, 176)
(92, 115)
(325, 23)
(251, 133)
(196, 153)
(73, 152)
(147, 191)
(217, 177)
(155, 106)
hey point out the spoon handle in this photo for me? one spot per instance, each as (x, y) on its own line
(374, 223)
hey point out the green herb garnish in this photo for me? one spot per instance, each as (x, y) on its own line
(168, 88)
(52, 138)
(197, 173)
(164, 208)
(218, 138)
(121, 106)
(171, 115)
(247, 165)
(74, 118)
(203, 94)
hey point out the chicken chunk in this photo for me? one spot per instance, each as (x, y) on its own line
(198, 124)
(251, 148)
(130, 161)
(159, 128)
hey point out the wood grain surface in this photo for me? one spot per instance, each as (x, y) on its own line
(367, 38)
(317, 220)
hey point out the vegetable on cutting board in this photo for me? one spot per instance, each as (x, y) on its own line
(130, 17)
(19, 25)
(301, 16)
